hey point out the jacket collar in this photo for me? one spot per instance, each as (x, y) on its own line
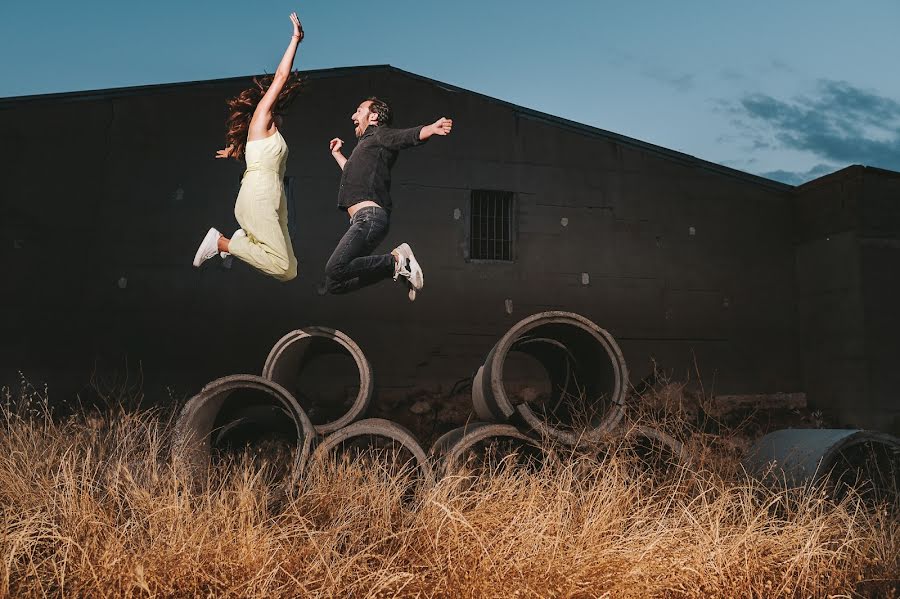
(370, 130)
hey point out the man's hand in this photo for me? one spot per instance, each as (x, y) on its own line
(442, 126)
(336, 144)
(225, 152)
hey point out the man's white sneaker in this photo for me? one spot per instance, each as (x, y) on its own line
(227, 258)
(409, 268)
(400, 269)
(208, 248)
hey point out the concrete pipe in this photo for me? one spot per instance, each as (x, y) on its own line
(480, 439)
(376, 434)
(582, 394)
(247, 422)
(838, 458)
(654, 448)
(327, 373)
(235, 411)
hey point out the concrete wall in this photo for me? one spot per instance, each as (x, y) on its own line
(686, 264)
(880, 270)
(848, 278)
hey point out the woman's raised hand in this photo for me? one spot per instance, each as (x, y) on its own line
(298, 28)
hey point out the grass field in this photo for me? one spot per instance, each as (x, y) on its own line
(92, 507)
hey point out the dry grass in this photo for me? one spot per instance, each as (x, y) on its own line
(92, 508)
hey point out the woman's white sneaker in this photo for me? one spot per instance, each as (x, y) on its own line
(209, 247)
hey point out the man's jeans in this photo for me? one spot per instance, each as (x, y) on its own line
(351, 266)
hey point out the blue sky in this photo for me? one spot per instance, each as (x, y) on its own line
(790, 90)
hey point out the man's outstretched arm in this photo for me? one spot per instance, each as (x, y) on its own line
(442, 126)
(335, 145)
(400, 139)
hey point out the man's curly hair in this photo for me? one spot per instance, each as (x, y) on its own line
(381, 108)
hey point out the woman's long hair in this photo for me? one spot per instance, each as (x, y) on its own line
(242, 106)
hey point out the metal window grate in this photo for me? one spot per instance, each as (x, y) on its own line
(492, 225)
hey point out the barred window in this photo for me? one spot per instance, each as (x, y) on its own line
(492, 222)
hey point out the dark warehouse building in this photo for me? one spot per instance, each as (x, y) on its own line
(742, 283)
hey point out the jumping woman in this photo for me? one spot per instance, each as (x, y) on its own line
(261, 209)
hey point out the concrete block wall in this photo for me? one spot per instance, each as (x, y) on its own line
(848, 277)
(687, 264)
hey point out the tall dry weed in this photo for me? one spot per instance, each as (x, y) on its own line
(91, 507)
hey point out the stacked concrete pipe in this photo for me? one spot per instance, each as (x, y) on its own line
(584, 363)
(296, 351)
(243, 408)
(233, 409)
(454, 448)
(655, 449)
(582, 360)
(225, 406)
(292, 355)
(396, 436)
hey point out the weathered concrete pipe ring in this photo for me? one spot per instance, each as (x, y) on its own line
(834, 457)
(196, 423)
(597, 361)
(285, 358)
(667, 447)
(451, 448)
(378, 427)
(570, 359)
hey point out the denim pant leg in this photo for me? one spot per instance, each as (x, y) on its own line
(351, 266)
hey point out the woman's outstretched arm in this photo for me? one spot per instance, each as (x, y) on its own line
(262, 116)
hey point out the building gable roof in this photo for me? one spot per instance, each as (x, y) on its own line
(680, 157)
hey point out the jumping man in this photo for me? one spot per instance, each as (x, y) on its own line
(365, 194)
